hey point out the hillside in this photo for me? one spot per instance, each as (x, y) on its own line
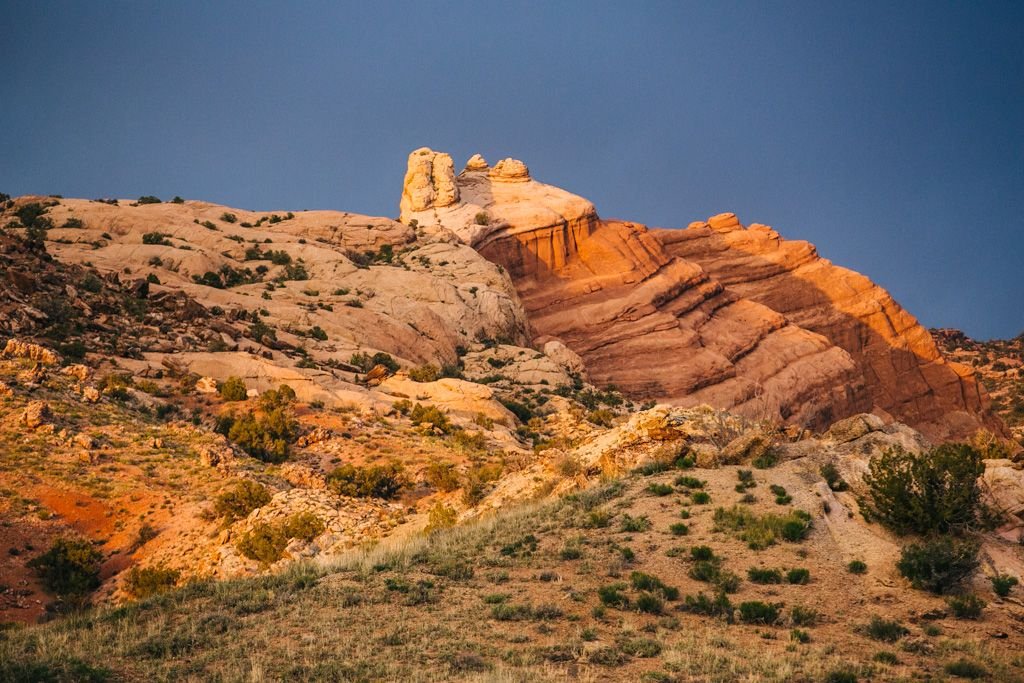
(549, 591)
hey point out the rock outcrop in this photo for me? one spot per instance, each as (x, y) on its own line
(716, 313)
(906, 375)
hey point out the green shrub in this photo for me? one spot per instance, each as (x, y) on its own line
(1002, 584)
(649, 603)
(641, 647)
(366, 362)
(800, 636)
(266, 436)
(648, 582)
(719, 606)
(963, 668)
(764, 576)
(966, 606)
(264, 543)
(482, 218)
(885, 630)
(886, 657)
(857, 567)
(440, 517)
(612, 595)
(229, 217)
(148, 199)
(689, 482)
(71, 567)
(798, 576)
(156, 238)
(303, 525)
(233, 389)
(430, 415)
(679, 529)
(702, 553)
(635, 524)
(757, 612)
(246, 496)
(143, 582)
(934, 492)
(442, 476)
(939, 564)
(761, 531)
(841, 676)
(803, 616)
(425, 373)
(700, 497)
(830, 473)
(376, 481)
(659, 489)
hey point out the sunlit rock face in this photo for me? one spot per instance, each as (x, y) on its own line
(716, 313)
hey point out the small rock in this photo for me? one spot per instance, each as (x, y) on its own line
(207, 385)
(78, 371)
(90, 394)
(37, 413)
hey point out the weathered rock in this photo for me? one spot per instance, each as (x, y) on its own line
(5, 390)
(476, 163)
(90, 394)
(206, 385)
(565, 357)
(747, 447)
(854, 427)
(36, 414)
(376, 375)
(20, 349)
(510, 171)
(429, 181)
(78, 371)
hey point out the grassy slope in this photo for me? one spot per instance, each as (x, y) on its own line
(432, 608)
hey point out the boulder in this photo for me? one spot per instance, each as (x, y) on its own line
(36, 414)
(78, 371)
(510, 171)
(476, 163)
(429, 181)
(854, 427)
(206, 385)
(747, 447)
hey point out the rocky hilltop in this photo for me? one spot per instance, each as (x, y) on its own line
(716, 313)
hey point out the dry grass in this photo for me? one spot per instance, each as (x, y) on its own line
(501, 600)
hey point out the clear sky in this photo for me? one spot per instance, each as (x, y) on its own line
(889, 134)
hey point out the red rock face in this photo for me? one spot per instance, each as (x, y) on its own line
(720, 314)
(905, 373)
(658, 327)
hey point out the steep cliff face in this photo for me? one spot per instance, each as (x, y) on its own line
(906, 374)
(713, 314)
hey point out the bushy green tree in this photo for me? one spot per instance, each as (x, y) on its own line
(934, 492)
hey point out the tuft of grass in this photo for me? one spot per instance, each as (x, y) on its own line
(967, 606)
(884, 630)
(857, 567)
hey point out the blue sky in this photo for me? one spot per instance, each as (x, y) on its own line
(889, 134)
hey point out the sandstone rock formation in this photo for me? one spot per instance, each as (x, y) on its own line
(719, 314)
(906, 375)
